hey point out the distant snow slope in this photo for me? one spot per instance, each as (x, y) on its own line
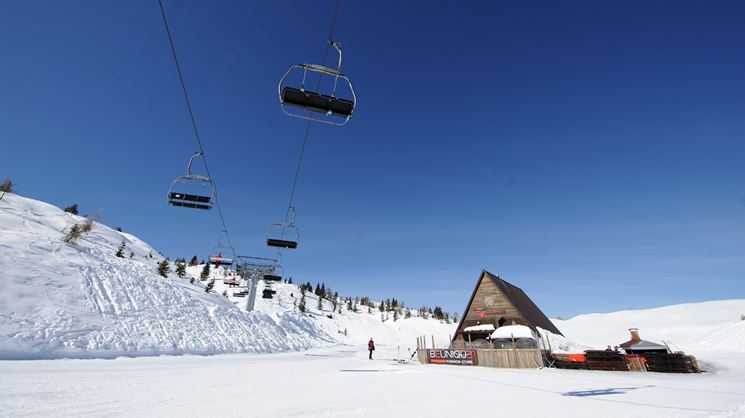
(80, 300)
(693, 327)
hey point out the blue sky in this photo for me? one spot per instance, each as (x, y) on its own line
(591, 153)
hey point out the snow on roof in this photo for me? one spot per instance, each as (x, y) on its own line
(479, 328)
(513, 331)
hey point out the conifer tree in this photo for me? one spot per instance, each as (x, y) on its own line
(120, 252)
(7, 186)
(395, 315)
(301, 306)
(193, 261)
(181, 269)
(320, 304)
(72, 209)
(210, 285)
(381, 307)
(164, 268)
(205, 272)
(408, 314)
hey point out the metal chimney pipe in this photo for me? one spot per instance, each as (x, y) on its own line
(634, 335)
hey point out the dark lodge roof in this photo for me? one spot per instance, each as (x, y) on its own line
(529, 311)
(643, 345)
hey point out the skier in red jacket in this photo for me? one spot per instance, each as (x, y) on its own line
(371, 347)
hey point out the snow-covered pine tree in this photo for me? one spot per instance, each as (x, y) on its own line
(164, 268)
(320, 304)
(210, 285)
(193, 261)
(205, 272)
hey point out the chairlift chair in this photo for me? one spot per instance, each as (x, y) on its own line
(192, 190)
(283, 235)
(334, 110)
(216, 258)
(274, 275)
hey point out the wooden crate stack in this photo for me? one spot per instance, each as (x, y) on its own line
(671, 363)
(606, 360)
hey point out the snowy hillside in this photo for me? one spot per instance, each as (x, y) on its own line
(692, 327)
(78, 299)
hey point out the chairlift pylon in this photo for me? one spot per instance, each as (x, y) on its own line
(192, 190)
(283, 235)
(333, 109)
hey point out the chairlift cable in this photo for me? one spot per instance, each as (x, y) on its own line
(307, 127)
(191, 113)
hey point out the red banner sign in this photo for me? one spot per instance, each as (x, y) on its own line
(448, 356)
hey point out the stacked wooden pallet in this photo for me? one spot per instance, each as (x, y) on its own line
(606, 360)
(671, 363)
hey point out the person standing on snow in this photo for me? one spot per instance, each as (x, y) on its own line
(371, 347)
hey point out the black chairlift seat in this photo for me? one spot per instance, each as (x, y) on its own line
(281, 243)
(272, 278)
(189, 201)
(317, 102)
(265, 296)
(270, 292)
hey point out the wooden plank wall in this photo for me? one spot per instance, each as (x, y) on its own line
(493, 303)
(520, 358)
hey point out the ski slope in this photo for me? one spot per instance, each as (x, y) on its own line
(79, 300)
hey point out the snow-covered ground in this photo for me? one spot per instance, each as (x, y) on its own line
(81, 301)
(341, 381)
